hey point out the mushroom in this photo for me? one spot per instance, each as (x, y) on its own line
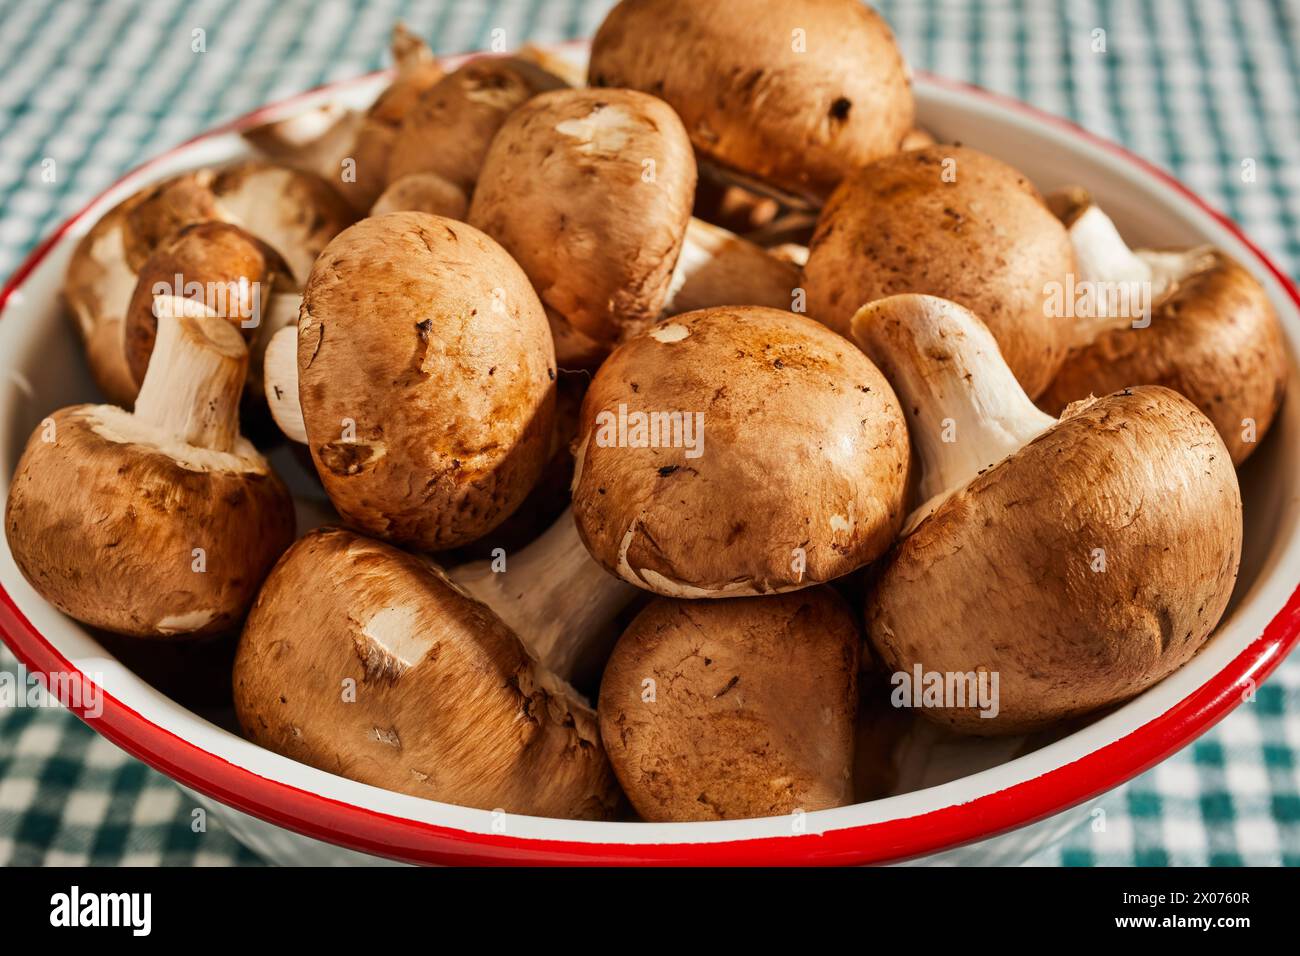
(391, 676)
(722, 710)
(426, 379)
(1077, 562)
(1192, 320)
(606, 234)
(292, 211)
(787, 96)
(162, 521)
(951, 222)
(350, 147)
(232, 273)
(802, 477)
(446, 133)
(422, 192)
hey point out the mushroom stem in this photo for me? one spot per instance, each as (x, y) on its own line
(195, 376)
(716, 267)
(965, 410)
(280, 369)
(553, 595)
(1115, 274)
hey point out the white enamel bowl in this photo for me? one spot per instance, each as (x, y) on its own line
(291, 813)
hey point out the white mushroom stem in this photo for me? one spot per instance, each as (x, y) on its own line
(1116, 274)
(280, 381)
(717, 267)
(557, 599)
(965, 410)
(195, 377)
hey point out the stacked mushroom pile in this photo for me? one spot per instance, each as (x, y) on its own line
(529, 303)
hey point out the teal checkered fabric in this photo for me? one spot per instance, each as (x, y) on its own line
(1196, 86)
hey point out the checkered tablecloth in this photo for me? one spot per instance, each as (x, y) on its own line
(1193, 85)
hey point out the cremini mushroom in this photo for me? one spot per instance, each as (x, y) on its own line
(426, 379)
(790, 96)
(738, 451)
(445, 135)
(1192, 320)
(721, 710)
(952, 222)
(423, 192)
(232, 273)
(162, 521)
(350, 148)
(606, 233)
(293, 212)
(363, 660)
(1076, 562)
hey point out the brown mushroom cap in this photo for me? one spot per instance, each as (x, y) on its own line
(985, 240)
(448, 131)
(1212, 336)
(107, 508)
(722, 710)
(422, 192)
(591, 192)
(162, 210)
(446, 704)
(1215, 340)
(799, 477)
(1080, 567)
(426, 377)
(795, 94)
(232, 272)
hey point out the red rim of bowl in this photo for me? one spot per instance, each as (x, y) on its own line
(382, 834)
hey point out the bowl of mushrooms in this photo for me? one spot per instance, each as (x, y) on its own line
(678, 448)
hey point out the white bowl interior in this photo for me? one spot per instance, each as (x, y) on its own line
(43, 369)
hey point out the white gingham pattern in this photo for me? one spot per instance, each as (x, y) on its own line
(1196, 86)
